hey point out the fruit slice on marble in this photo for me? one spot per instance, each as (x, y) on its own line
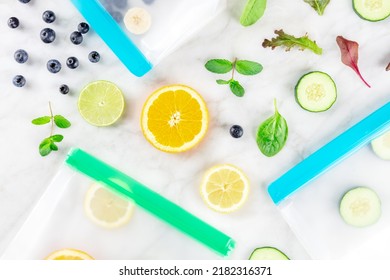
(316, 92)
(101, 103)
(268, 253)
(137, 20)
(360, 207)
(381, 146)
(372, 10)
(224, 188)
(106, 208)
(174, 118)
(69, 255)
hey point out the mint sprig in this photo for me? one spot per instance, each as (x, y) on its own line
(49, 144)
(244, 67)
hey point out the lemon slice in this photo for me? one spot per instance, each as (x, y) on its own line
(174, 118)
(106, 208)
(224, 188)
(68, 255)
(101, 103)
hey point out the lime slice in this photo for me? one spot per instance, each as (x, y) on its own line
(101, 103)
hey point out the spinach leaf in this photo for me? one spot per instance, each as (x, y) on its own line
(272, 134)
(253, 11)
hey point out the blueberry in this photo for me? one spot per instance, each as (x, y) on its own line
(94, 56)
(76, 38)
(72, 62)
(117, 16)
(54, 66)
(48, 35)
(48, 16)
(148, 2)
(236, 131)
(83, 27)
(13, 22)
(21, 56)
(19, 81)
(64, 89)
(24, 1)
(121, 4)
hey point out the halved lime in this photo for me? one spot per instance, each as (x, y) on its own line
(101, 103)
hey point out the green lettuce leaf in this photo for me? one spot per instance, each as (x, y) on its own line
(290, 42)
(318, 5)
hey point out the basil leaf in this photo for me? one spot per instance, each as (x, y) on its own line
(57, 138)
(219, 66)
(44, 147)
(236, 88)
(318, 5)
(223, 82)
(246, 67)
(61, 122)
(272, 134)
(41, 120)
(253, 11)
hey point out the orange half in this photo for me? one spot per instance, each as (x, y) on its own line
(174, 118)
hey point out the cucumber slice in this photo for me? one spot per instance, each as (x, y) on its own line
(268, 253)
(372, 10)
(360, 207)
(381, 146)
(316, 92)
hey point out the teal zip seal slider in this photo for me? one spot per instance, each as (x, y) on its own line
(151, 201)
(332, 153)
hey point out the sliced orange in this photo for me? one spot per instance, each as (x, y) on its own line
(174, 118)
(69, 255)
(224, 188)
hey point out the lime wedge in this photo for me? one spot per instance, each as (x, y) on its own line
(101, 103)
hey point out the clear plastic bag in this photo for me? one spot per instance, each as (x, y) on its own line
(60, 221)
(313, 211)
(172, 22)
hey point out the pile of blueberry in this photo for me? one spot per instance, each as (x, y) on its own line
(48, 36)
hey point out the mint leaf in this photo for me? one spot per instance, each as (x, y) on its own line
(246, 67)
(223, 82)
(219, 66)
(41, 120)
(61, 122)
(253, 11)
(57, 138)
(44, 147)
(272, 134)
(236, 88)
(318, 5)
(53, 147)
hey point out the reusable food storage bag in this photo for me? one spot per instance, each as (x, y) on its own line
(171, 23)
(60, 220)
(313, 211)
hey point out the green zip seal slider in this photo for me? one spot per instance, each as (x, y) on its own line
(150, 201)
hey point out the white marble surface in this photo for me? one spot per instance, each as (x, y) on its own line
(24, 175)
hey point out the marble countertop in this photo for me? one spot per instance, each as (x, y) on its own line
(24, 174)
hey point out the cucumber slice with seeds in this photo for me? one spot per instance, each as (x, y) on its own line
(360, 207)
(372, 10)
(381, 146)
(268, 253)
(316, 91)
